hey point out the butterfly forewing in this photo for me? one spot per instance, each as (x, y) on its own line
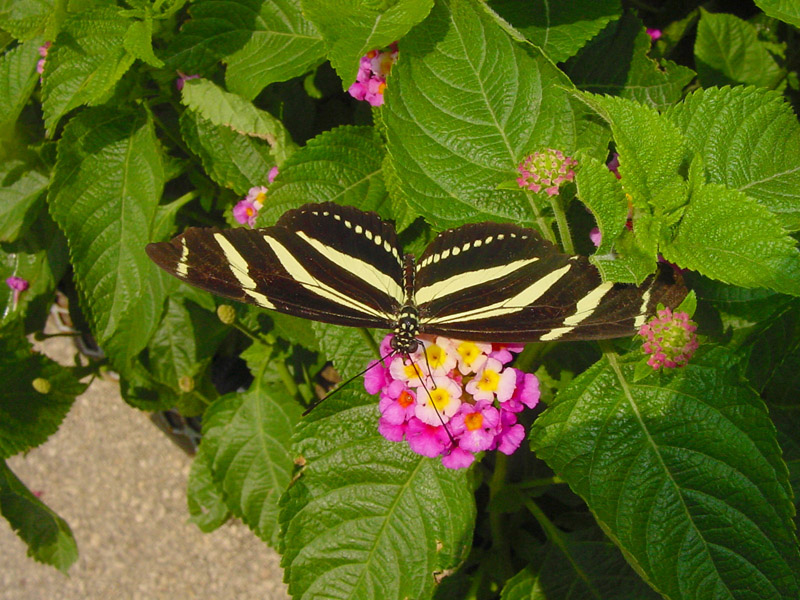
(505, 283)
(312, 264)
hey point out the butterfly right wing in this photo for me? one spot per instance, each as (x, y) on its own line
(320, 262)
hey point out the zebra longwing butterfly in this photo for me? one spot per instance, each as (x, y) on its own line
(485, 282)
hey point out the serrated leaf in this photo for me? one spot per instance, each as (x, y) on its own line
(231, 159)
(576, 566)
(727, 236)
(683, 472)
(351, 28)
(349, 349)
(18, 78)
(105, 192)
(47, 535)
(343, 165)
(786, 10)
(363, 506)
(138, 42)
(204, 497)
(28, 417)
(25, 19)
(600, 191)
(172, 348)
(249, 451)
(616, 62)
(85, 62)
(727, 51)
(651, 154)
(21, 198)
(262, 41)
(749, 140)
(230, 110)
(464, 105)
(560, 29)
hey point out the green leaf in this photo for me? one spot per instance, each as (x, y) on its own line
(560, 29)
(368, 518)
(262, 41)
(230, 110)
(749, 140)
(85, 62)
(204, 497)
(786, 10)
(249, 451)
(578, 565)
(464, 105)
(600, 191)
(139, 42)
(683, 471)
(231, 159)
(616, 62)
(283, 44)
(351, 28)
(651, 154)
(47, 535)
(29, 417)
(18, 78)
(727, 236)
(727, 51)
(21, 198)
(343, 165)
(349, 349)
(25, 19)
(106, 188)
(173, 353)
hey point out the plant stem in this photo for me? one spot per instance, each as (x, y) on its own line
(563, 226)
(544, 227)
(499, 541)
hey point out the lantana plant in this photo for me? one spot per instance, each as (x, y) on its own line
(658, 465)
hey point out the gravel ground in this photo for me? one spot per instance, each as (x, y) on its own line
(120, 483)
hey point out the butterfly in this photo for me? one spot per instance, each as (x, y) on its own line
(484, 282)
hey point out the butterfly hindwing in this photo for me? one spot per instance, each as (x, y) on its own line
(301, 266)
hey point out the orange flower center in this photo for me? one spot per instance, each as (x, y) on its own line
(405, 399)
(473, 421)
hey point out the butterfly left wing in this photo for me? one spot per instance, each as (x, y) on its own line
(499, 282)
(323, 262)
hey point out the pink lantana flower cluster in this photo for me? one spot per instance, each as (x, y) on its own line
(246, 211)
(43, 53)
(372, 73)
(452, 398)
(546, 170)
(670, 339)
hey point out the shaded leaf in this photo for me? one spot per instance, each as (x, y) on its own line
(18, 78)
(47, 535)
(139, 42)
(786, 10)
(21, 198)
(25, 19)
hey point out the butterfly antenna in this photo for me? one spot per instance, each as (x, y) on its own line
(319, 401)
(427, 361)
(438, 414)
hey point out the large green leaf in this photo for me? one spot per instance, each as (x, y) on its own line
(785, 10)
(262, 41)
(367, 518)
(231, 110)
(343, 165)
(683, 472)
(560, 29)
(616, 62)
(105, 193)
(464, 105)
(47, 535)
(727, 236)
(204, 497)
(727, 51)
(18, 77)
(27, 416)
(26, 19)
(351, 28)
(749, 140)
(577, 566)
(233, 160)
(248, 436)
(85, 62)
(21, 199)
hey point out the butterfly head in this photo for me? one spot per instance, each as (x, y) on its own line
(406, 330)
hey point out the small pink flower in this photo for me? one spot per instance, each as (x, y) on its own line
(182, 79)
(526, 392)
(273, 173)
(505, 352)
(373, 70)
(596, 236)
(653, 33)
(492, 381)
(475, 426)
(670, 339)
(245, 212)
(427, 440)
(438, 400)
(511, 433)
(376, 377)
(391, 431)
(18, 285)
(613, 165)
(458, 459)
(546, 170)
(398, 403)
(43, 49)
